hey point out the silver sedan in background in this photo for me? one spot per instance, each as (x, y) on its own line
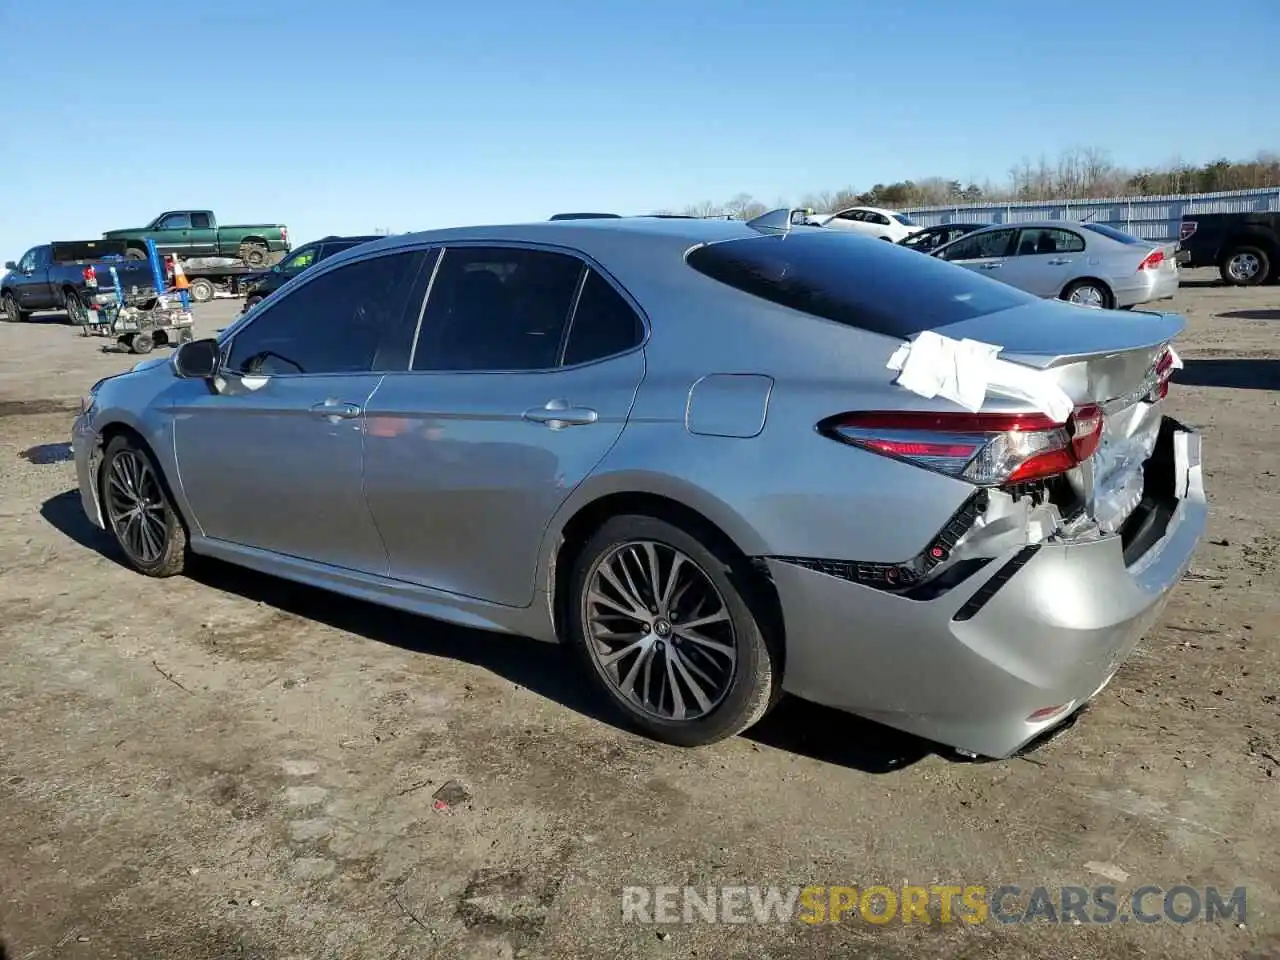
(1091, 264)
(679, 446)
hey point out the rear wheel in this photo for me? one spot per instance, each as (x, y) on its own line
(135, 253)
(142, 343)
(1088, 293)
(10, 309)
(664, 625)
(254, 254)
(139, 511)
(77, 312)
(1245, 266)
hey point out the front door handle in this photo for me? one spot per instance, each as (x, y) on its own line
(1060, 262)
(990, 266)
(558, 414)
(335, 410)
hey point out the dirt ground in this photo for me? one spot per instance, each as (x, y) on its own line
(230, 766)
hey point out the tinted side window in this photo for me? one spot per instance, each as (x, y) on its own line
(497, 308)
(1039, 241)
(200, 221)
(993, 244)
(176, 221)
(866, 284)
(603, 324)
(347, 321)
(28, 261)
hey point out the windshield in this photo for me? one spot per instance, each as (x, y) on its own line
(903, 219)
(1118, 235)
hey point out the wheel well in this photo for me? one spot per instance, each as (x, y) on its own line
(117, 429)
(761, 594)
(1097, 281)
(262, 241)
(1261, 240)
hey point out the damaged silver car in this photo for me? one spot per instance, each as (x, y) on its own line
(721, 460)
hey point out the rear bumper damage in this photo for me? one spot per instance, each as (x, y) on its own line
(1042, 616)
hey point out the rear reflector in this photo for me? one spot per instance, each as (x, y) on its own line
(1153, 260)
(987, 449)
(1188, 228)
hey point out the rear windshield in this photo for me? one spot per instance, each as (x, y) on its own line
(1112, 232)
(857, 281)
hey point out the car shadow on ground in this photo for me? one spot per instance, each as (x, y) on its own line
(795, 726)
(1242, 373)
(1251, 315)
(58, 319)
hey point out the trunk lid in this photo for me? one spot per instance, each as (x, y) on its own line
(1096, 356)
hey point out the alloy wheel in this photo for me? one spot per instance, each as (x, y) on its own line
(659, 631)
(1088, 296)
(135, 505)
(1243, 266)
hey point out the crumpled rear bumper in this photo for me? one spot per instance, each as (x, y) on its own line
(1039, 627)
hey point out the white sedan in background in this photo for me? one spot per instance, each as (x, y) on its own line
(871, 221)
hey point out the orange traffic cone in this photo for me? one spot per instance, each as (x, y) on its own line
(179, 278)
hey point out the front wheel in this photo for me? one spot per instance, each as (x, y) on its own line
(1245, 267)
(11, 311)
(139, 511)
(663, 621)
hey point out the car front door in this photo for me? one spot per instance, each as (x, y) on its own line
(33, 291)
(1045, 260)
(985, 252)
(524, 372)
(172, 234)
(273, 459)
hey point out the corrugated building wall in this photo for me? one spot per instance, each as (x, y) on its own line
(1152, 218)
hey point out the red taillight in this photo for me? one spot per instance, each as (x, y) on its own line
(1153, 260)
(90, 276)
(1188, 228)
(988, 449)
(284, 235)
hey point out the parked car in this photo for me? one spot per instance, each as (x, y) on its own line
(1245, 247)
(72, 276)
(1091, 264)
(931, 238)
(871, 221)
(590, 431)
(195, 233)
(256, 287)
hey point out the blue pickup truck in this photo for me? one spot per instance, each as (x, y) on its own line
(74, 276)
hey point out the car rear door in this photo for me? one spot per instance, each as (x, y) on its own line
(202, 238)
(524, 371)
(273, 460)
(1044, 261)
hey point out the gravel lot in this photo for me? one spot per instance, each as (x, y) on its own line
(230, 766)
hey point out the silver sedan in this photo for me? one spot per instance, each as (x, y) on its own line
(711, 456)
(1091, 264)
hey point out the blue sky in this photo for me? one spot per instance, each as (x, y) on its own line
(342, 116)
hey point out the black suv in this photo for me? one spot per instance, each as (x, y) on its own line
(259, 285)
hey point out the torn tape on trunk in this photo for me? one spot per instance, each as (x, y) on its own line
(966, 371)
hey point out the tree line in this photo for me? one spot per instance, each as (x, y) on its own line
(1077, 174)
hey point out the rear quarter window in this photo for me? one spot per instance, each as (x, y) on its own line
(1118, 235)
(856, 281)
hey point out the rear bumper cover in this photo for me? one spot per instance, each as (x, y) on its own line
(1052, 635)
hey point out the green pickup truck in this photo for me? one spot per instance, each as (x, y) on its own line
(195, 233)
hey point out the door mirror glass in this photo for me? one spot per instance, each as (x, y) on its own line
(198, 359)
(10, 265)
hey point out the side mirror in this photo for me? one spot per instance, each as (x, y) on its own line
(198, 360)
(10, 265)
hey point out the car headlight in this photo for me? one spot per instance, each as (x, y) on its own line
(90, 398)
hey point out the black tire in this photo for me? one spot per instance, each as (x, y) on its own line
(142, 343)
(253, 254)
(1245, 266)
(1108, 300)
(77, 312)
(160, 550)
(201, 290)
(10, 311)
(750, 686)
(133, 253)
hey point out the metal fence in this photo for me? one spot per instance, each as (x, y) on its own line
(1151, 218)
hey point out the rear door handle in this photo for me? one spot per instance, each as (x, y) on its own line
(335, 410)
(990, 266)
(558, 414)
